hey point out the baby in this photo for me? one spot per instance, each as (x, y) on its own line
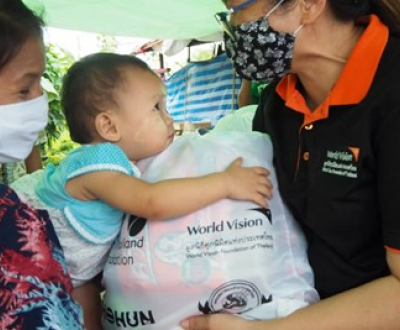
(115, 107)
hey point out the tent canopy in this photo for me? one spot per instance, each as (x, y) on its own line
(161, 19)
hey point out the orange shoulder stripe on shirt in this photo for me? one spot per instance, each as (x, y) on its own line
(392, 250)
(355, 79)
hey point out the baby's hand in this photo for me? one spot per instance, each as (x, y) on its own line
(248, 183)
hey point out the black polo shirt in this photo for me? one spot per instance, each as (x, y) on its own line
(338, 166)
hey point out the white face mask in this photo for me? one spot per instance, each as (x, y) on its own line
(20, 124)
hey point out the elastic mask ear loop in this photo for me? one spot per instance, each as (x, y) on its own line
(297, 30)
(273, 9)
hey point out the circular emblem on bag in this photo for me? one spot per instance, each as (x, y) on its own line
(235, 297)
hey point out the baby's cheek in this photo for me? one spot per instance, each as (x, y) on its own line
(160, 127)
(152, 134)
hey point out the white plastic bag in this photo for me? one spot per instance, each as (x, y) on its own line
(230, 257)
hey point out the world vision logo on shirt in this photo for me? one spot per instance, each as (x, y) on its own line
(342, 163)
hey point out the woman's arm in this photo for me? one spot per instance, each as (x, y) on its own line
(88, 296)
(372, 306)
(34, 161)
(244, 97)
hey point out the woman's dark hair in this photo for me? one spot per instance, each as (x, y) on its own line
(389, 13)
(387, 10)
(345, 10)
(89, 88)
(17, 24)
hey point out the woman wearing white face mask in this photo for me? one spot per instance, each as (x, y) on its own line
(35, 289)
(332, 110)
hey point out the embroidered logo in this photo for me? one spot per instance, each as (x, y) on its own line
(356, 153)
(342, 162)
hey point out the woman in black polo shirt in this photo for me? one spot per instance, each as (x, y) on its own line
(332, 110)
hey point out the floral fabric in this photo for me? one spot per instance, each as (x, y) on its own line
(34, 284)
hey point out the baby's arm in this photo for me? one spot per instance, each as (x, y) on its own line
(173, 197)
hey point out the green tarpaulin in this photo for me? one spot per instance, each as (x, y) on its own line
(161, 19)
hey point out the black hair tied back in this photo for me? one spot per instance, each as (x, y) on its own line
(346, 10)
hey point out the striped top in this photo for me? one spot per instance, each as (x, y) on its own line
(203, 91)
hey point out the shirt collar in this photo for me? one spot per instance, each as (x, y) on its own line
(361, 67)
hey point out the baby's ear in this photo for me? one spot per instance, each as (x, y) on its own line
(107, 126)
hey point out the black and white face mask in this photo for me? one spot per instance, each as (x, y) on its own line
(260, 53)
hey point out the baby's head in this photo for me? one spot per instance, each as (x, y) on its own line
(116, 98)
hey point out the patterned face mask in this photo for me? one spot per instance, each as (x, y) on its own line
(260, 53)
